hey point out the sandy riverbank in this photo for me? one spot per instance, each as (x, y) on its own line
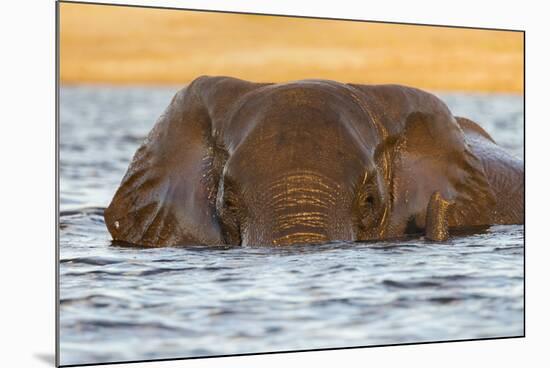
(121, 45)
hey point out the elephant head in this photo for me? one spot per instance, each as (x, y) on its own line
(234, 162)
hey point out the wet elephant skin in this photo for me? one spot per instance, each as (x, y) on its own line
(241, 163)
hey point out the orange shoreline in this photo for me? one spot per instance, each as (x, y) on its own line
(121, 45)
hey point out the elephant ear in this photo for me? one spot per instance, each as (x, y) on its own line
(433, 157)
(167, 196)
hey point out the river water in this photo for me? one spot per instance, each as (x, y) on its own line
(120, 303)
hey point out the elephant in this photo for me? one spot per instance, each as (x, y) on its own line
(232, 162)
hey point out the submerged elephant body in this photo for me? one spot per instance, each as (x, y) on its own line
(234, 162)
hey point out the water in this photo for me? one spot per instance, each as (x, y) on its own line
(120, 303)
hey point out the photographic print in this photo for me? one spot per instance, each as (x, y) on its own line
(236, 183)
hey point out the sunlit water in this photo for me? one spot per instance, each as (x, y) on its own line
(119, 303)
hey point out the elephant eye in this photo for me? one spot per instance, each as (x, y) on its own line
(230, 200)
(366, 197)
(229, 212)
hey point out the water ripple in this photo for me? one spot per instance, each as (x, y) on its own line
(119, 302)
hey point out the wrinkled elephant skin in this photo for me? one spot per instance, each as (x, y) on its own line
(241, 163)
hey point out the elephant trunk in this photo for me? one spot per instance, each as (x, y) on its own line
(302, 207)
